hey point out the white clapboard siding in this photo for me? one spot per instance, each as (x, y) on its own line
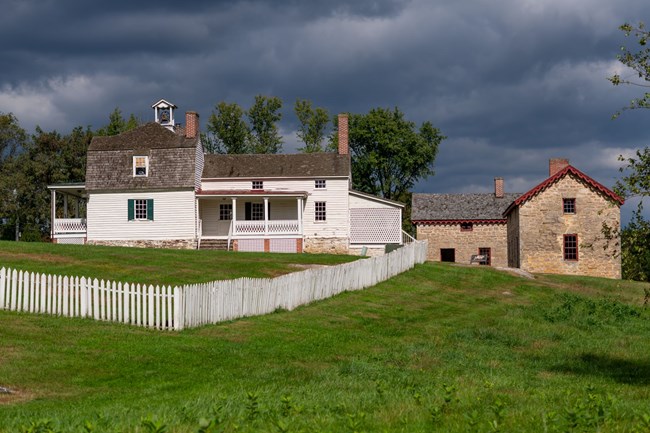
(174, 216)
(164, 307)
(335, 195)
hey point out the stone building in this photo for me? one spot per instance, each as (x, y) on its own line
(461, 226)
(556, 227)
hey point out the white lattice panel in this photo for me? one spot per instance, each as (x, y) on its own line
(250, 245)
(283, 246)
(375, 226)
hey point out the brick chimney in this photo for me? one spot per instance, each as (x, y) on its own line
(498, 187)
(556, 164)
(343, 135)
(191, 124)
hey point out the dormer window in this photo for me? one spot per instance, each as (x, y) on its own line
(258, 184)
(140, 166)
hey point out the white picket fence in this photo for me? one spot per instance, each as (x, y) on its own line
(197, 304)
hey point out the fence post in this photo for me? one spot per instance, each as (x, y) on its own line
(178, 309)
(3, 280)
(83, 289)
(127, 303)
(95, 289)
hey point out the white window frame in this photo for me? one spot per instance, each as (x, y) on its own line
(320, 184)
(135, 166)
(320, 215)
(257, 184)
(225, 211)
(257, 211)
(140, 207)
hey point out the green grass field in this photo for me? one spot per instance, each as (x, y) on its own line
(439, 348)
(154, 266)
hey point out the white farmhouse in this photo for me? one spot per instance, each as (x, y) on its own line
(153, 186)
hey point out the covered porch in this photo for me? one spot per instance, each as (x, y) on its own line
(68, 213)
(252, 221)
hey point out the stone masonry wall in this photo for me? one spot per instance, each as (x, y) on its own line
(513, 238)
(325, 245)
(179, 244)
(466, 243)
(543, 224)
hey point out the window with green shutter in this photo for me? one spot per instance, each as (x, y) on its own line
(140, 209)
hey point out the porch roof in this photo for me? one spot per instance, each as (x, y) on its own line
(248, 193)
(75, 189)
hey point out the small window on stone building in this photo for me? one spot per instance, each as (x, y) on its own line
(569, 205)
(486, 256)
(466, 227)
(571, 247)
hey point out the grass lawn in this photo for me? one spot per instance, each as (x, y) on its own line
(439, 348)
(153, 266)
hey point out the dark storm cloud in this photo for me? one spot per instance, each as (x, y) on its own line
(510, 82)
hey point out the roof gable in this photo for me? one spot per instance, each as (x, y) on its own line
(276, 165)
(569, 170)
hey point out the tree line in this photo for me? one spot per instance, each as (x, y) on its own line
(389, 153)
(635, 237)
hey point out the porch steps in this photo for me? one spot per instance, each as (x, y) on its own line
(214, 244)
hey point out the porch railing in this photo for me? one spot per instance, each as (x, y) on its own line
(407, 238)
(69, 225)
(271, 227)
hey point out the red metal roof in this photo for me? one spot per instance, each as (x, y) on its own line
(569, 169)
(259, 192)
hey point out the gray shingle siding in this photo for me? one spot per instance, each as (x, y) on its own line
(444, 207)
(276, 165)
(172, 160)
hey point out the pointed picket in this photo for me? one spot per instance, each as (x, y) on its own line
(3, 282)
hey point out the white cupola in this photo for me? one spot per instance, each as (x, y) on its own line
(164, 113)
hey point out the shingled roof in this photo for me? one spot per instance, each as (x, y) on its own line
(276, 165)
(148, 136)
(438, 208)
(171, 160)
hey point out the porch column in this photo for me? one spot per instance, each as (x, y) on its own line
(266, 215)
(299, 204)
(53, 213)
(234, 215)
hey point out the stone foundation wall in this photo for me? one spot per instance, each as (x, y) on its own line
(179, 244)
(543, 224)
(325, 245)
(466, 243)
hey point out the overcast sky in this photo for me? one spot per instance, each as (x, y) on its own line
(511, 83)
